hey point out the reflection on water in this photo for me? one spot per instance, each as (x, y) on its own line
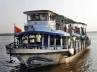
(87, 63)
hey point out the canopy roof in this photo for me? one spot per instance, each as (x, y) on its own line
(66, 20)
(38, 11)
(42, 32)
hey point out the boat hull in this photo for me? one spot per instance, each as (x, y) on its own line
(38, 59)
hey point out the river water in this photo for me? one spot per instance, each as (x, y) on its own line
(87, 63)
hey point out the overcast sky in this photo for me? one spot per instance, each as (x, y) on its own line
(11, 11)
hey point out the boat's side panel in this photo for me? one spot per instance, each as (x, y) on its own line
(41, 59)
(32, 51)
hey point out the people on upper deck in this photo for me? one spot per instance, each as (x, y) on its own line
(77, 30)
(82, 31)
(70, 28)
(65, 28)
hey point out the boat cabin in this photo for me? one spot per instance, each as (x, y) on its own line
(40, 20)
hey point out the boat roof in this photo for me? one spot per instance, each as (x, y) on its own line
(42, 32)
(38, 11)
(67, 20)
(81, 23)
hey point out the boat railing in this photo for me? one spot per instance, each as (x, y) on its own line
(30, 46)
(34, 46)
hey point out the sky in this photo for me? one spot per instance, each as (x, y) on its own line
(11, 11)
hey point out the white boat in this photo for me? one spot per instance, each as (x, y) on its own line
(47, 38)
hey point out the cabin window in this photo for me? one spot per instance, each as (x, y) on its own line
(52, 17)
(43, 17)
(37, 17)
(28, 18)
(57, 26)
(33, 17)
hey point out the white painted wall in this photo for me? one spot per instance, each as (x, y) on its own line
(41, 25)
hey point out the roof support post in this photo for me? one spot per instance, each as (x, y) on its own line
(61, 41)
(54, 42)
(66, 42)
(48, 41)
(42, 41)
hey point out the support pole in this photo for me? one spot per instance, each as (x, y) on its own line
(48, 41)
(66, 43)
(54, 42)
(42, 41)
(61, 41)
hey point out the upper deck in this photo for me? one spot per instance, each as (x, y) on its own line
(48, 21)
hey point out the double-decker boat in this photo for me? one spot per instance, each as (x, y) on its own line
(47, 38)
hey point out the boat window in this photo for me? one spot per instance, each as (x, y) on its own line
(57, 26)
(28, 17)
(37, 17)
(52, 17)
(43, 17)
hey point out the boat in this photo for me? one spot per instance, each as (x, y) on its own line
(47, 37)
